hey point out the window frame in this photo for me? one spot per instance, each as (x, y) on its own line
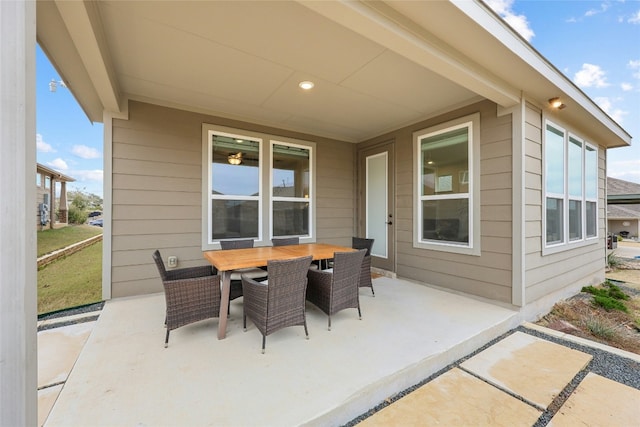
(567, 242)
(472, 123)
(265, 199)
(310, 199)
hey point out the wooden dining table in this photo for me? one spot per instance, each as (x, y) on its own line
(232, 259)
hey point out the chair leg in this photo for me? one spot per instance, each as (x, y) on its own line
(372, 291)
(329, 323)
(264, 341)
(166, 340)
(244, 322)
(359, 312)
(306, 332)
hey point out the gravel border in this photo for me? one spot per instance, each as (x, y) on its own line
(604, 363)
(71, 312)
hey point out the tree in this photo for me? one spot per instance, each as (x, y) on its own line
(81, 204)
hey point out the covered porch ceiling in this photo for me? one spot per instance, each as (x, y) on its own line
(377, 66)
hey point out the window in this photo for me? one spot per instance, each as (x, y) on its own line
(235, 187)
(290, 173)
(38, 180)
(446, 199)
(571, 187)
(255, 186)
(47, 182)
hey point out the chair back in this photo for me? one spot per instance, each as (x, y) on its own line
(160, 264)
(285, 241)
(346, 269)
(236, 244)
(287, 284)
(362, 243)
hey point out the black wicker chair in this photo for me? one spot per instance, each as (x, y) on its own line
(191, 294)
(236, 281)
(336, 289)
(365, 275)
(285, 241)
(280, 301)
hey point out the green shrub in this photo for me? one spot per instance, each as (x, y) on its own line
(608, 297)
(76, 215)
(612, 260)
(599, 328)
(609, 303)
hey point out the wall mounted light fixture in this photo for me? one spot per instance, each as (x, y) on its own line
(556, 103)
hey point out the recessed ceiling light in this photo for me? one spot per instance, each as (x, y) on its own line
(306, 85)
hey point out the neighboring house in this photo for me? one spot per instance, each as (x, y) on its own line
(48, 213)
(433, 127)
(430, 128)
(623, 208)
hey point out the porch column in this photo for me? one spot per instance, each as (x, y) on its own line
(63, 202)
(52, 203)
(18, 291)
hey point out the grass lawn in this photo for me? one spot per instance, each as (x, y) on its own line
(58, 238)
(71, 281)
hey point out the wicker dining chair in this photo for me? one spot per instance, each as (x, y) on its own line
(285, 241)
(365, 274)
(336, 289)
(235, 290)
(278, 302)
(191, 294)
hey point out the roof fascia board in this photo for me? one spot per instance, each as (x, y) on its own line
(493, 24)
(85, 29)
(385, 26)
(55, 41)
(54, 173)
(623, 199)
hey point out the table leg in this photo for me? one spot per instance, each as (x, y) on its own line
(224, 304)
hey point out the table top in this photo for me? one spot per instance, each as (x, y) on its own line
(232, 259)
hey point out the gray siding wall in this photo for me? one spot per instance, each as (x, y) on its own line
(157, 191)
(487, 275)
(581, 266)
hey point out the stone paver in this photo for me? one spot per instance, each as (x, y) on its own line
(599, 401)
(456, 398)
(532, 368)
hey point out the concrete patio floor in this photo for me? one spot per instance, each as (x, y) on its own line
(125, 376)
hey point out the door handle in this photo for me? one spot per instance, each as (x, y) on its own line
(389, 222)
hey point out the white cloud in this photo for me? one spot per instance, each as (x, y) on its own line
(518, 22)
(88, 175)
(626, 86)
(591, 76)
(603, 8)
(635, 18)
(607, 106)
(42, 146)
(85, 152)
(635, 65)
(59, 164)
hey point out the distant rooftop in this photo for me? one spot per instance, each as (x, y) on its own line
(622, 192)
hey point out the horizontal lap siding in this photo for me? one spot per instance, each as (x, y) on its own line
(553, 272)
(487, 275)
(156, 191)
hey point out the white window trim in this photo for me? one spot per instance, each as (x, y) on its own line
(567, 243)
(473, 247)
(312, 190)
(265, 200)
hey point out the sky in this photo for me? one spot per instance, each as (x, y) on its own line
(596, 44)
